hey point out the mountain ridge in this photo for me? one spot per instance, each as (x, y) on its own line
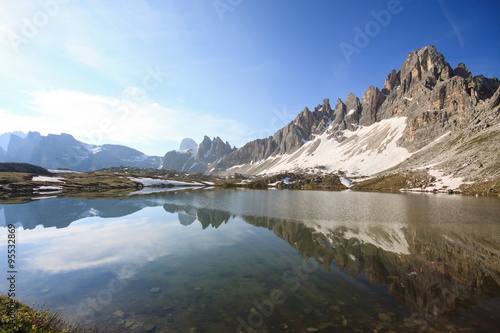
(56, 151)
(433, 99)
(426, 115)
(196, 158)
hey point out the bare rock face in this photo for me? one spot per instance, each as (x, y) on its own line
(434, 98)
(353, 107)
(391, 82)
(196, 158)
(210, 151)
(287, 140)
(182, 161)
(339, 112)
(462, 71)
(372, 100)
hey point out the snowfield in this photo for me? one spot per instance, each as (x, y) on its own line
(362, 152)
(346, 182)
(442, 184)
(47, 179)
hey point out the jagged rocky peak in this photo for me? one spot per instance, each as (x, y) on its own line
(187, 143)
(462, 71)
(196, 158)
(353, 107)
(323, 115)
(425, 65)
(434, 97)
(426, 93)
(339, 112)
(372, 100)
(324, 110)
(212, 150)
(391, 82)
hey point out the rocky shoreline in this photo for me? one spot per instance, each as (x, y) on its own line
(137, 181)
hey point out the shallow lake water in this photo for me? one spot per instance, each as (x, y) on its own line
(263, 261)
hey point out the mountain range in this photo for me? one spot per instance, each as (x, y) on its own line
(426, 115)
(65, 152)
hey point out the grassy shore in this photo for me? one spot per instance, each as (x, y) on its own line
(21, 318)
(18, 187)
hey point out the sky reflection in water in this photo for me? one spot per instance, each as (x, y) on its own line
(214, 260)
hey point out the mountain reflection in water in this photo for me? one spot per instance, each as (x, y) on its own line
(435, 255)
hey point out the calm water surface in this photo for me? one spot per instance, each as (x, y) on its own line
(263, 261)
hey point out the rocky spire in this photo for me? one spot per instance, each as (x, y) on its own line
(372, 100)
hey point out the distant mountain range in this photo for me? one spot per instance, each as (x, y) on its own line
(64, 151)
(426, 115)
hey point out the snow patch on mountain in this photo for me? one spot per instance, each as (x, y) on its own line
(346, 182)
(364, 151)
(46, 179)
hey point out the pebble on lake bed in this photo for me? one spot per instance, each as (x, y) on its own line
(118, 313)
(384, 317)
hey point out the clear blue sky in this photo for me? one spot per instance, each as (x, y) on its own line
(149, 73)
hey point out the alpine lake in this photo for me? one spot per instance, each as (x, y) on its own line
(215, 260)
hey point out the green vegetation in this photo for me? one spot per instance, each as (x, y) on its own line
(96, 181)
(37, 320)
(485, 188)
(17, 187)
(14, 177)
(298, 181)
(21, 185)
(395, 182)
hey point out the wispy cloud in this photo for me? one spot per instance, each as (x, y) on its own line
(130, 118)
(453, 24)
